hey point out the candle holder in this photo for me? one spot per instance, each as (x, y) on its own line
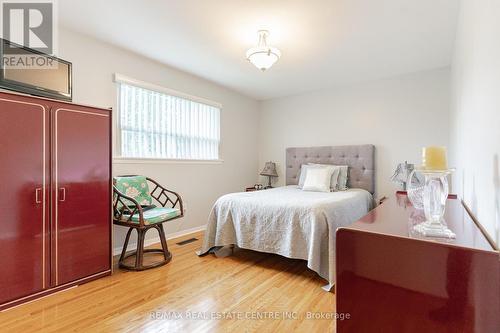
(434, 202)
(415, 189)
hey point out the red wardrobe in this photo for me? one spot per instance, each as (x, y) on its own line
(55, 196)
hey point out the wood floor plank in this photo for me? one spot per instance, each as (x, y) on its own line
(246, 292)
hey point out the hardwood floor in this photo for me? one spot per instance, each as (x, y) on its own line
(246, 292)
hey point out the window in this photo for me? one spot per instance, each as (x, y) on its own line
(158, 123)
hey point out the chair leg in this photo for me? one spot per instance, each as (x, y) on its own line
(141, 233)
(163, 240)
(125, 245)
(139, 253)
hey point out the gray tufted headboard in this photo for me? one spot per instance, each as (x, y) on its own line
(359, 158)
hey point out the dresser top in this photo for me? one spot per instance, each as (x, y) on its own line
(396, 216)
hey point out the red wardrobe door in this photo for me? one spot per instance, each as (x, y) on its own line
(24, 265)
(81, 192)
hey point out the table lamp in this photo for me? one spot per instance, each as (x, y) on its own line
(269, 171)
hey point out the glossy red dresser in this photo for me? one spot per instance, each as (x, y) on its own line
(389, 280)
(55, 181)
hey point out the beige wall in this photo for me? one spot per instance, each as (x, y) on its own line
(475, 115)
(94, 64)
(398, 115)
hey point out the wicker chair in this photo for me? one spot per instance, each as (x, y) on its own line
(133, 207)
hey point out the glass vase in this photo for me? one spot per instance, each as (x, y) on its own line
(434, 202)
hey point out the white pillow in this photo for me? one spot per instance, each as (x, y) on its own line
(318, 179)
(303, 173)
(343, 177)
(341, 181)
(335, 175)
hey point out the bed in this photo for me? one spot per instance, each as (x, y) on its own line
(291, 222)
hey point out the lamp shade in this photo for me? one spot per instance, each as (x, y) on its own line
(263, 56)
(269, 170)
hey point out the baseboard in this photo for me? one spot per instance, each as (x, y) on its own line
(147, 242)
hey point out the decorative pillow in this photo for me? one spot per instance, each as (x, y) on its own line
(135, 187)
(302, 175)
(318, 179)
(343, 177)
(303, 172)
(335, 174)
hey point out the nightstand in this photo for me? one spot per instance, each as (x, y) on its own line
(252, 189)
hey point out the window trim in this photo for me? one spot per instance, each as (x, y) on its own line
(148, 160)
(120, 78)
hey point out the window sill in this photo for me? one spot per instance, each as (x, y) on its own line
(140, 160)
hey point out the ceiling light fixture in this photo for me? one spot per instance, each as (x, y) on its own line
(263, 56)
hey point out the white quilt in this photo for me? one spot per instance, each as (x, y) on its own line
(286, 221)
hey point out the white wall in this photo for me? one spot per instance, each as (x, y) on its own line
(94, 64)
(398, 115)
(475, 115)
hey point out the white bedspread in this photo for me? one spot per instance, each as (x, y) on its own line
(286, 221)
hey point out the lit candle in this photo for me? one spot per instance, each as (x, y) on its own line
(434, 158)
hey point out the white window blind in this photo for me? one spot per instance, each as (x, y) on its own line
(154, 124)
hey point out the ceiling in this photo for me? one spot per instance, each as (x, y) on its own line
(323, 42)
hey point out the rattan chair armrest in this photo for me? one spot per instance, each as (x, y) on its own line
(137, 208)
(163, 189)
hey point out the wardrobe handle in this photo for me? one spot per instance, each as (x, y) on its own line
(38, 191)
(62, 191)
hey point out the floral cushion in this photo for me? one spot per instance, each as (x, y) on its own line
(135, 187)
(157, 214)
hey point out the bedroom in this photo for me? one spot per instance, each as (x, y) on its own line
(398, 75)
